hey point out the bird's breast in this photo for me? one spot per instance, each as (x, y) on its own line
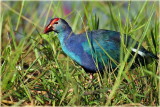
(72, 52)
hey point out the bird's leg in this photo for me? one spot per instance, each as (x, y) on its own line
(91, 77)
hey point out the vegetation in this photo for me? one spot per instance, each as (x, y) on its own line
(35, 71)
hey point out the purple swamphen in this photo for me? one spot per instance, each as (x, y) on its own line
(95, 50)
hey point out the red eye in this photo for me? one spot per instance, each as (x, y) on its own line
(56, 23)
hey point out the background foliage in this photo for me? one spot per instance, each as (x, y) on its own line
(35, 71)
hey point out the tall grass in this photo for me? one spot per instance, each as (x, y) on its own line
(35, 71)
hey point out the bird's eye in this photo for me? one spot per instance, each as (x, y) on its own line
(56, 23)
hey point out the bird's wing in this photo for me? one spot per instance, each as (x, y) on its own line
(103, 46)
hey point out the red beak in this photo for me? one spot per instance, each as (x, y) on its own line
(48, 29)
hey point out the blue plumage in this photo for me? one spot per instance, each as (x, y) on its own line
(92, 50)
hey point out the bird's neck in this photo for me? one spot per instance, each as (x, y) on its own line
(65, 35)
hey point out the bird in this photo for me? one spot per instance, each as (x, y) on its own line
(97, 49)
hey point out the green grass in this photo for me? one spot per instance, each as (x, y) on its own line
(48, 77)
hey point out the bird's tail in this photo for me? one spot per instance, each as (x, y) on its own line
(149, 54)
(144, 53)
(143, 56)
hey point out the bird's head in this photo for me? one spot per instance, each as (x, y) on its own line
(57, 25)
